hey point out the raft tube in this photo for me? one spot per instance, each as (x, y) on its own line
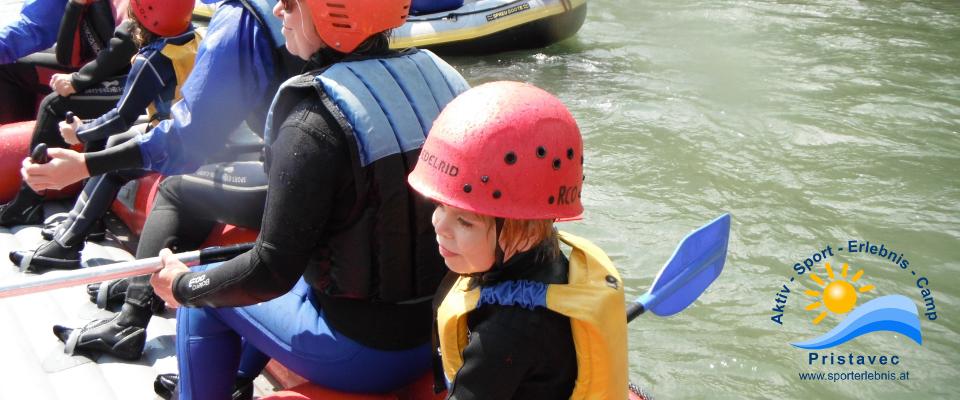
(14, 140)
(491, 26)
(297, 388)
(14, 147)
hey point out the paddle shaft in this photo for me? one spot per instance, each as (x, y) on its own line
(51, 281)
(634, 310)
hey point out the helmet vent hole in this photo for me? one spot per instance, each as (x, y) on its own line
(496, 194)
(551, 200)
(570, 153)
(336, 5)
(510, 158)
(344, 26)
(541, 152)
(467, 188)
(556, 163)
(484, 179)
(345, 16)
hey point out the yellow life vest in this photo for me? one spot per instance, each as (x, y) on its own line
(593, 299)
(182, 57)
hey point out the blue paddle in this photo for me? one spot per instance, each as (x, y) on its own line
(696, 262)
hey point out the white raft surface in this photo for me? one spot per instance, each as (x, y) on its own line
(34, 365)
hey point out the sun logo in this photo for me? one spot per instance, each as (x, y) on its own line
(839, 296)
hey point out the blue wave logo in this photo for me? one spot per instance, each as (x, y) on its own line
(894, 313)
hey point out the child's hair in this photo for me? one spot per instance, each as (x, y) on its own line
(530, 233)
(538, 234)
(141, 36)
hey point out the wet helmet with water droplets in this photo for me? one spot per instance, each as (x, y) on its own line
(504, 149)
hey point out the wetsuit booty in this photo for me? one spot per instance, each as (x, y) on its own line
(25, 209)
(50, 230)
(165, 386)
(109, 294)
(105, 336)
(51, 224)
(50, 255)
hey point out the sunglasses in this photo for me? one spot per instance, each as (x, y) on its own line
(287, 5)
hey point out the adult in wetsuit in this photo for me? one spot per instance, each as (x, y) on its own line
(338, 286)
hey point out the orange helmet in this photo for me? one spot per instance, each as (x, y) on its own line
(163, 17)
(504, 149)
(344, 24)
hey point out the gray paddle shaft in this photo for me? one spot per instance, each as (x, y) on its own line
(62, 279)
(57, 280)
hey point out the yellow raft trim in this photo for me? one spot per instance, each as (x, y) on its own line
(204, 11)
(495, 26)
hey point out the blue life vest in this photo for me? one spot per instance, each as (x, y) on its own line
(385, 106)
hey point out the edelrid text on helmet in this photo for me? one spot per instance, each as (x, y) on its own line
(504, 149)
(345, 24)
(163, 17)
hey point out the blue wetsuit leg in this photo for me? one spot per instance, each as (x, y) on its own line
(292, 330)
(252, 361)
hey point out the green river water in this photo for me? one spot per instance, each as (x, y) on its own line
(813, 124)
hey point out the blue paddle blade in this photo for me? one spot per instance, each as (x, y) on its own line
(696, 262)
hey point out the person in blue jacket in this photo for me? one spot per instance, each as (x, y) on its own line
(239, 66)
(35, 30)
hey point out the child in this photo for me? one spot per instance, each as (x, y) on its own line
(503, 161)
(168, 46)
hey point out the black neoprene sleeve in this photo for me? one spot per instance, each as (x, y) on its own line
(124, 156)
(111, 61)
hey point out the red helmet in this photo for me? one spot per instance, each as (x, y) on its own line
(344, 24)
(163, 17)
(504, 149)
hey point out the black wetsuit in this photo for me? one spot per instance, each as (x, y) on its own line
(517, 353)
(316, 194)
(99, 85)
